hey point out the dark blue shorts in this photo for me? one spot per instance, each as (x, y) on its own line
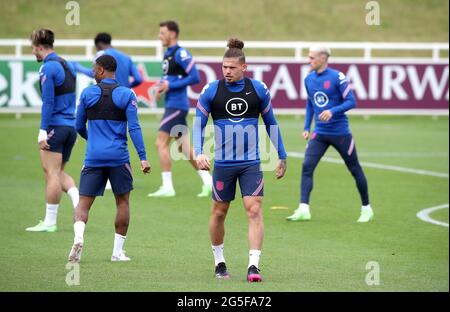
(250, 177)
(61, 140)
(174, 122)
(93, 180)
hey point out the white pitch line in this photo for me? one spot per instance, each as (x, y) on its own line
(378, 166)
(403, 154)
(424, 215)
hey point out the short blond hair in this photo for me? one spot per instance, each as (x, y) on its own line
(321, 50)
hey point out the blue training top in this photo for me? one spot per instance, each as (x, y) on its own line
(107, 139)
(328, 90)
(236, 138)
(57, 110)
(125, 68)
(176, 97)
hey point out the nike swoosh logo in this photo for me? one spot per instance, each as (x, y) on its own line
(247, 93)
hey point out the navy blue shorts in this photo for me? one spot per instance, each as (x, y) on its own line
(61, 140)
(174, 122)
(250, 177)
(93, 180)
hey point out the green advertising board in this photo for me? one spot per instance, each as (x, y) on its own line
(19, 83)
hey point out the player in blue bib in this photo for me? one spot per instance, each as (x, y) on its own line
(57, 133)
(329, 97)
(235, 104)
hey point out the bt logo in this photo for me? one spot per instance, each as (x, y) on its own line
(320, 99)
(236, 107)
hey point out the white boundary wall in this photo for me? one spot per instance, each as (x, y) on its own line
(297, 47)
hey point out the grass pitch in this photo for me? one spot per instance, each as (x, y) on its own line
(168, 238)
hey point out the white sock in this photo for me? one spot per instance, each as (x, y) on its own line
(50, 214)
(205, 176)
(167, 180)
(253, 258)
(304, 208)
(119, 240)
(218, 253)
(78, 228)
(366, 208)
(74, 196)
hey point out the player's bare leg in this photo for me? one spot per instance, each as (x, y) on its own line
(162, 146)
(217, 222)
(51, 164)
(186, 148)
(252, 205)
(122, 214)
(82, 210)
(68, 186)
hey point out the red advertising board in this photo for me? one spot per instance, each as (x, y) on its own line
(375, 85)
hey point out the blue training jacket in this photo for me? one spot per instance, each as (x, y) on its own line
(328, 90)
